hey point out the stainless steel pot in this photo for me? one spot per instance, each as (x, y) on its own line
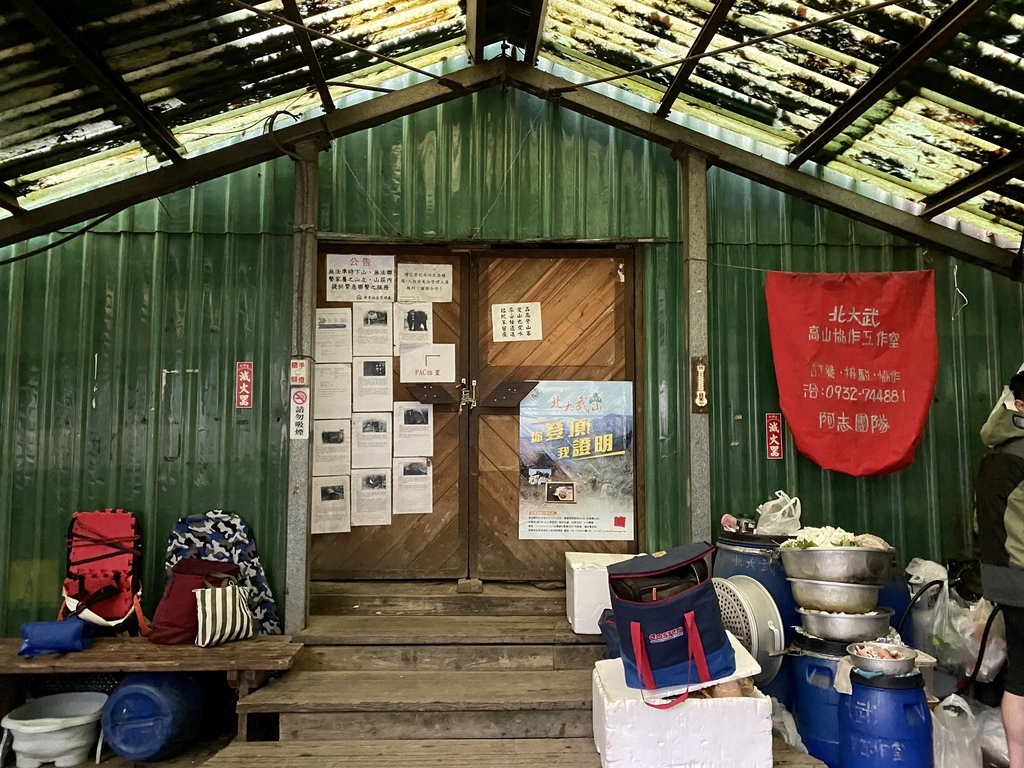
(850, 565)
(750, 613)
(845, 627)
(834, 596)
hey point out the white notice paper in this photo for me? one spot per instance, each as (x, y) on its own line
(331, 512)
(374, 389)
(425, 282)
(371, 440)
(371, 496)
(333, 336)
(371, 329)
(414, 488)
(332, 447)
(414, 429)
(516, 322)
(360, 278)
(414, 325)
(332, 398)
(431, 362)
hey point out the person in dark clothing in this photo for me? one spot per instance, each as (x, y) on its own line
(999, 505)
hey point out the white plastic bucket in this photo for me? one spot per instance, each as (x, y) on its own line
(61, 729)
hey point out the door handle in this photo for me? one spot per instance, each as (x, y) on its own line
(467, 395)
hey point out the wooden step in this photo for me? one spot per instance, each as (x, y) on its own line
(427, 753)
(316, 706)
(442, 630)
(456, 658)
(398, 598)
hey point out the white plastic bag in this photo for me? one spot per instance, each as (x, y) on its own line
(993, 737)
(956, 740)
(784, 726)
(995, 646)
(779, 516)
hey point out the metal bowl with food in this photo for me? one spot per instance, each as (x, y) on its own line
(888, 658)
(834, 596)
(845, 627)
(849, 565)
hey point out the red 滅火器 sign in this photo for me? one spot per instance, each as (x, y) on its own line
(856, 359)
(243, 385)
(773, 435)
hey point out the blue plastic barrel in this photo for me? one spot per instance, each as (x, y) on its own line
(815, 699)
(153, 716)
(886, 722)
(896, 595)
(741, 554)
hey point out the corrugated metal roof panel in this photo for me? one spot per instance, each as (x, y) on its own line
(962, 109)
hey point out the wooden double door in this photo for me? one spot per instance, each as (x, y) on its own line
(589, 334)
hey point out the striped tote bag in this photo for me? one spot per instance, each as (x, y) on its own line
(223, 613)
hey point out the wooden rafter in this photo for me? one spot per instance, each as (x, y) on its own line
(9, 200)
(535, 32)
(316, 72)
(68, 42)
(973, 184)
(925, 44)
(700, 44)
(476, 29)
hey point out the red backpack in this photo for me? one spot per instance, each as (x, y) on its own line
(103, 584)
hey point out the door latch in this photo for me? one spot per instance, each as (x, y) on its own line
(467, 396)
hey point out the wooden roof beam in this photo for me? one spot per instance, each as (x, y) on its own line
(700, 44)
(933, 38)
(476, 29)
(245, 154)
(535, 32)
(316, 72)
(67, 41)
(760, 169)
(9, 200)
(973, 184)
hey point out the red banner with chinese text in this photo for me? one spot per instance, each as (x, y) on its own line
(856, 359)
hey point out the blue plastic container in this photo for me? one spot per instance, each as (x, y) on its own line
(815, 700)
(886, 722)
(153, 716)
(741, 554)
(896, 595)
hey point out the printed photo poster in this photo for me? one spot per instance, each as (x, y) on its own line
(332, 447)
(371, 329)
(371, 440)
(576, 461)
(414, 486)
(425, 282)
(414, 325)
(332, 396)
(331, 511)
(414, 429)
(333, 336)
(371, 496)
(374, 387)
(353, 277)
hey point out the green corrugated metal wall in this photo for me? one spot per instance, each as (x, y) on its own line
(118, 357)
(924, 510)
(512, 167)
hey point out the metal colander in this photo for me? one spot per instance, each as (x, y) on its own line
(750, 613)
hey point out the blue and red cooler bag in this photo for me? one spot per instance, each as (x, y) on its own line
(668, 619)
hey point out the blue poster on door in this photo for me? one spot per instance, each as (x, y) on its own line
(576, 461)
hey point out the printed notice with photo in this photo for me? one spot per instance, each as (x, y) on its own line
(333, 336)
(413, 479)
(371, 329)
(371, 496)
(332, 447)
(414, 429)
(331, 511)
(374, 389)
(371, 440)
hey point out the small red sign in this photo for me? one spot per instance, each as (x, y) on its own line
(620, 521)
(773, 435)
(243, 385)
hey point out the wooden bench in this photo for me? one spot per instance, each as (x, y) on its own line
(247, 663)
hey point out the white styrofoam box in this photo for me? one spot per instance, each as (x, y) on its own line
(698, 733)
(586, 589)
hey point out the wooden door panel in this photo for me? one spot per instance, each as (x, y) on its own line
(586, 308)
(414, 546)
